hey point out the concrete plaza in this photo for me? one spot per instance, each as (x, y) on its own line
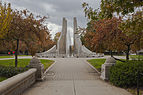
(73, 76)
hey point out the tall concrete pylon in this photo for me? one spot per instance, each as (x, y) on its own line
(61, 45)
(74, 35)
(77, 42)
(60, 49)
(79, 49)
(68, 44)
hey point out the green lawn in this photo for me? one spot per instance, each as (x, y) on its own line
(24, 62)
(12, 56)
(6, 56)
(98, 62)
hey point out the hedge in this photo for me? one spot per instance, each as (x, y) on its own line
(125, 74)
(6, 71)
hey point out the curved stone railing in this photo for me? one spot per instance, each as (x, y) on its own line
(82, 55)
(51, 55)
(17, 84)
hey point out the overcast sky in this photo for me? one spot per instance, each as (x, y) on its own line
(56, 9)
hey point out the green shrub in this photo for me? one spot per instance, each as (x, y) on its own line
(125, 74)
(6, 71)
(2, 78)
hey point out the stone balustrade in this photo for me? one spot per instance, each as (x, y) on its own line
(65, 56)
(17, 84)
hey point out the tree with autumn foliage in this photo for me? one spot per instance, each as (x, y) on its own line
(5, 18)
(22, 29)
(108, 36)
(57, 36)
(104, 35)
(133, 31)
(87, 40)
(30, 31)
(87, 36)
(130, 37)
(121, 7)
(132, 26)
(107, 33)
(27, 32)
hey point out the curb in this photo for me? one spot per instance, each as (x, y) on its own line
(93, 68)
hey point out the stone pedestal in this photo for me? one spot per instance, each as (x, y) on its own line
(35, 63)
(105, 69)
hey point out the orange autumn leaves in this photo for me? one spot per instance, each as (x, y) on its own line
(30, 30)
(106, 35)
(103, 35)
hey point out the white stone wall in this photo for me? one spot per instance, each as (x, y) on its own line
(17, 84)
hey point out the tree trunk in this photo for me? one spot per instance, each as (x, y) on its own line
(127, 52)
(27, 52)
(111, 53)
(119, 59)
(16, 53)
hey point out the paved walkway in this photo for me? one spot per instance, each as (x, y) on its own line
(73, 76)
(19, 57)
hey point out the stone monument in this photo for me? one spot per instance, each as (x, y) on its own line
(59, 50)
(79, 49)
(63, 48)
(61, 45)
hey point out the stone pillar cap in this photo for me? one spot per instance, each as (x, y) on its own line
(35, 60)
(110, 60)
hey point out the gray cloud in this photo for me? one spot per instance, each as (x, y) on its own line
(56, 9)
